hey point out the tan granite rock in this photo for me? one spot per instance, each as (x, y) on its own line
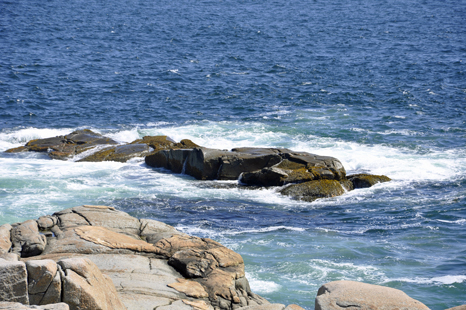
(293, 307)
(5, 242)
(103, 236)
(85, 287)
(41, 274)
(19, 306)
(190, 288)
(269, 307)
(13, 282)
(103, 216)
(339, 295)
(12, 257)
(26, 239)
(152, 231)
(462, 307)
(140, 281)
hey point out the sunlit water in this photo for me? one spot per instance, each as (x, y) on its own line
(379, 85)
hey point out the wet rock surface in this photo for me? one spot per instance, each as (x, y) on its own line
(62, 147)
(367, 180)
(306, 176)
(120, 153)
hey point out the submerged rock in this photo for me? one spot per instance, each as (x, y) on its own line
(138, 148)
(367, 180)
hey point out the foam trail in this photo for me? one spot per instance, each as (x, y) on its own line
(449, 279)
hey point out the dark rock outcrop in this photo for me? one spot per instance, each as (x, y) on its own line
(306, 176)
(258, 166)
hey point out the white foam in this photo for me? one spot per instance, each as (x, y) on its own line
(125, 136)
(449, 279)
(402, 165)
(262, 286)
(324, 269)
(461, 221)
(15, 138)
(265, 229)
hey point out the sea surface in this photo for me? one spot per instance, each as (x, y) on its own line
(378, 84)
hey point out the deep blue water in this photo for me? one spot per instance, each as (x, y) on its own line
(381, 85)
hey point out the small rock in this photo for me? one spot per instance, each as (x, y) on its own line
(310, 191)
(46, 222)
(367, 180)
(339, 295)
(462, 307)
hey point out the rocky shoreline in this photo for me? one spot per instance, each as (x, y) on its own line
(96, 257)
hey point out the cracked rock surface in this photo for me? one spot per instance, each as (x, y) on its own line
(96, 257)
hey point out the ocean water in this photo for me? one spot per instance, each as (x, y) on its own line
(381, 85)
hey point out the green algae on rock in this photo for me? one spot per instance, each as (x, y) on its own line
(312, 190)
